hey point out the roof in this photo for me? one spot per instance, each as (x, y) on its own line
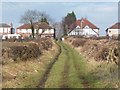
(84, 23)
(115, 26)
(24, 26)
(4, 25)
(41, 25)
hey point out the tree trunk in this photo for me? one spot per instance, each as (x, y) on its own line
(32, 28)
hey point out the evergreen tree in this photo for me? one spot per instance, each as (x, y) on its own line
(44, 20)
(67, 21)
(70, 18)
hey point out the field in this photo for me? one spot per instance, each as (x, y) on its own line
(72, 70)
(100, 63)
(74, 63)
(26, 73)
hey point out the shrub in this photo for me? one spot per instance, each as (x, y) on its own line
(44, 43)
(78, 42)
(102, 54)
(5, 53)
(24, 52)
(100, 48)
(12, 39)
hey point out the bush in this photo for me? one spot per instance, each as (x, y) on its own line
(5, 53)
(44, 43)
(24, 52)
(101, 49)
(78, 42)
(12, 39)
(102, 54)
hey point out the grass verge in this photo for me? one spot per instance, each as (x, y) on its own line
(82, 73)
(27, 74)
(56, 75)
(94, 74)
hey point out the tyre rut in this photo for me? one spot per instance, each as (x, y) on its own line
(64, 81)
(84, 82)
(50, 65)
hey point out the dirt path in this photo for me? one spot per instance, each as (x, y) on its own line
(70, 70)
(82, 79)
(45, 75)
(64, 81)
(72, 55)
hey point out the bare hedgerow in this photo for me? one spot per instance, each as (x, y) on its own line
(78, 42)
(102, 54)
(100, 49)
(24, 52)
(44, 43)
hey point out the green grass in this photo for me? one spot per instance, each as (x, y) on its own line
(28, 73)
(56, 74)
(102, 75)
(54, 79)
(74, 81)
(81, 73)
(106, 74)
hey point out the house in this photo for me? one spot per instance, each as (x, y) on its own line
(40, 28)
(83, 27)
(113, 30)
(6, 29)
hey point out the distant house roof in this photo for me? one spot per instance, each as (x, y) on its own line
(44, 25)
(115, 26)
(84, 23)
(41, 25)
(4, 25)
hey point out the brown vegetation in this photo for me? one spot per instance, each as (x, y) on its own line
(26, 74)
(101, 49)
(24, 50)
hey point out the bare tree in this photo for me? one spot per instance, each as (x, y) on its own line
(29, 17)
(32, 16)
(59, 30)
(37, 29)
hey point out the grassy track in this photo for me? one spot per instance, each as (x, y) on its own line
(64, 68)
(27, 74)
(67, 70)
(71, 70)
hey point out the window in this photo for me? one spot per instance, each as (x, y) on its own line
(78, 27)
(87, 27)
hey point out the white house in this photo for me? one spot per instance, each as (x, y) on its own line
(41, 28)
(114, 30)
(5, 29)
(83, 27)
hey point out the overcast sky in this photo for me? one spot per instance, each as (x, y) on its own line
(102, 14)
